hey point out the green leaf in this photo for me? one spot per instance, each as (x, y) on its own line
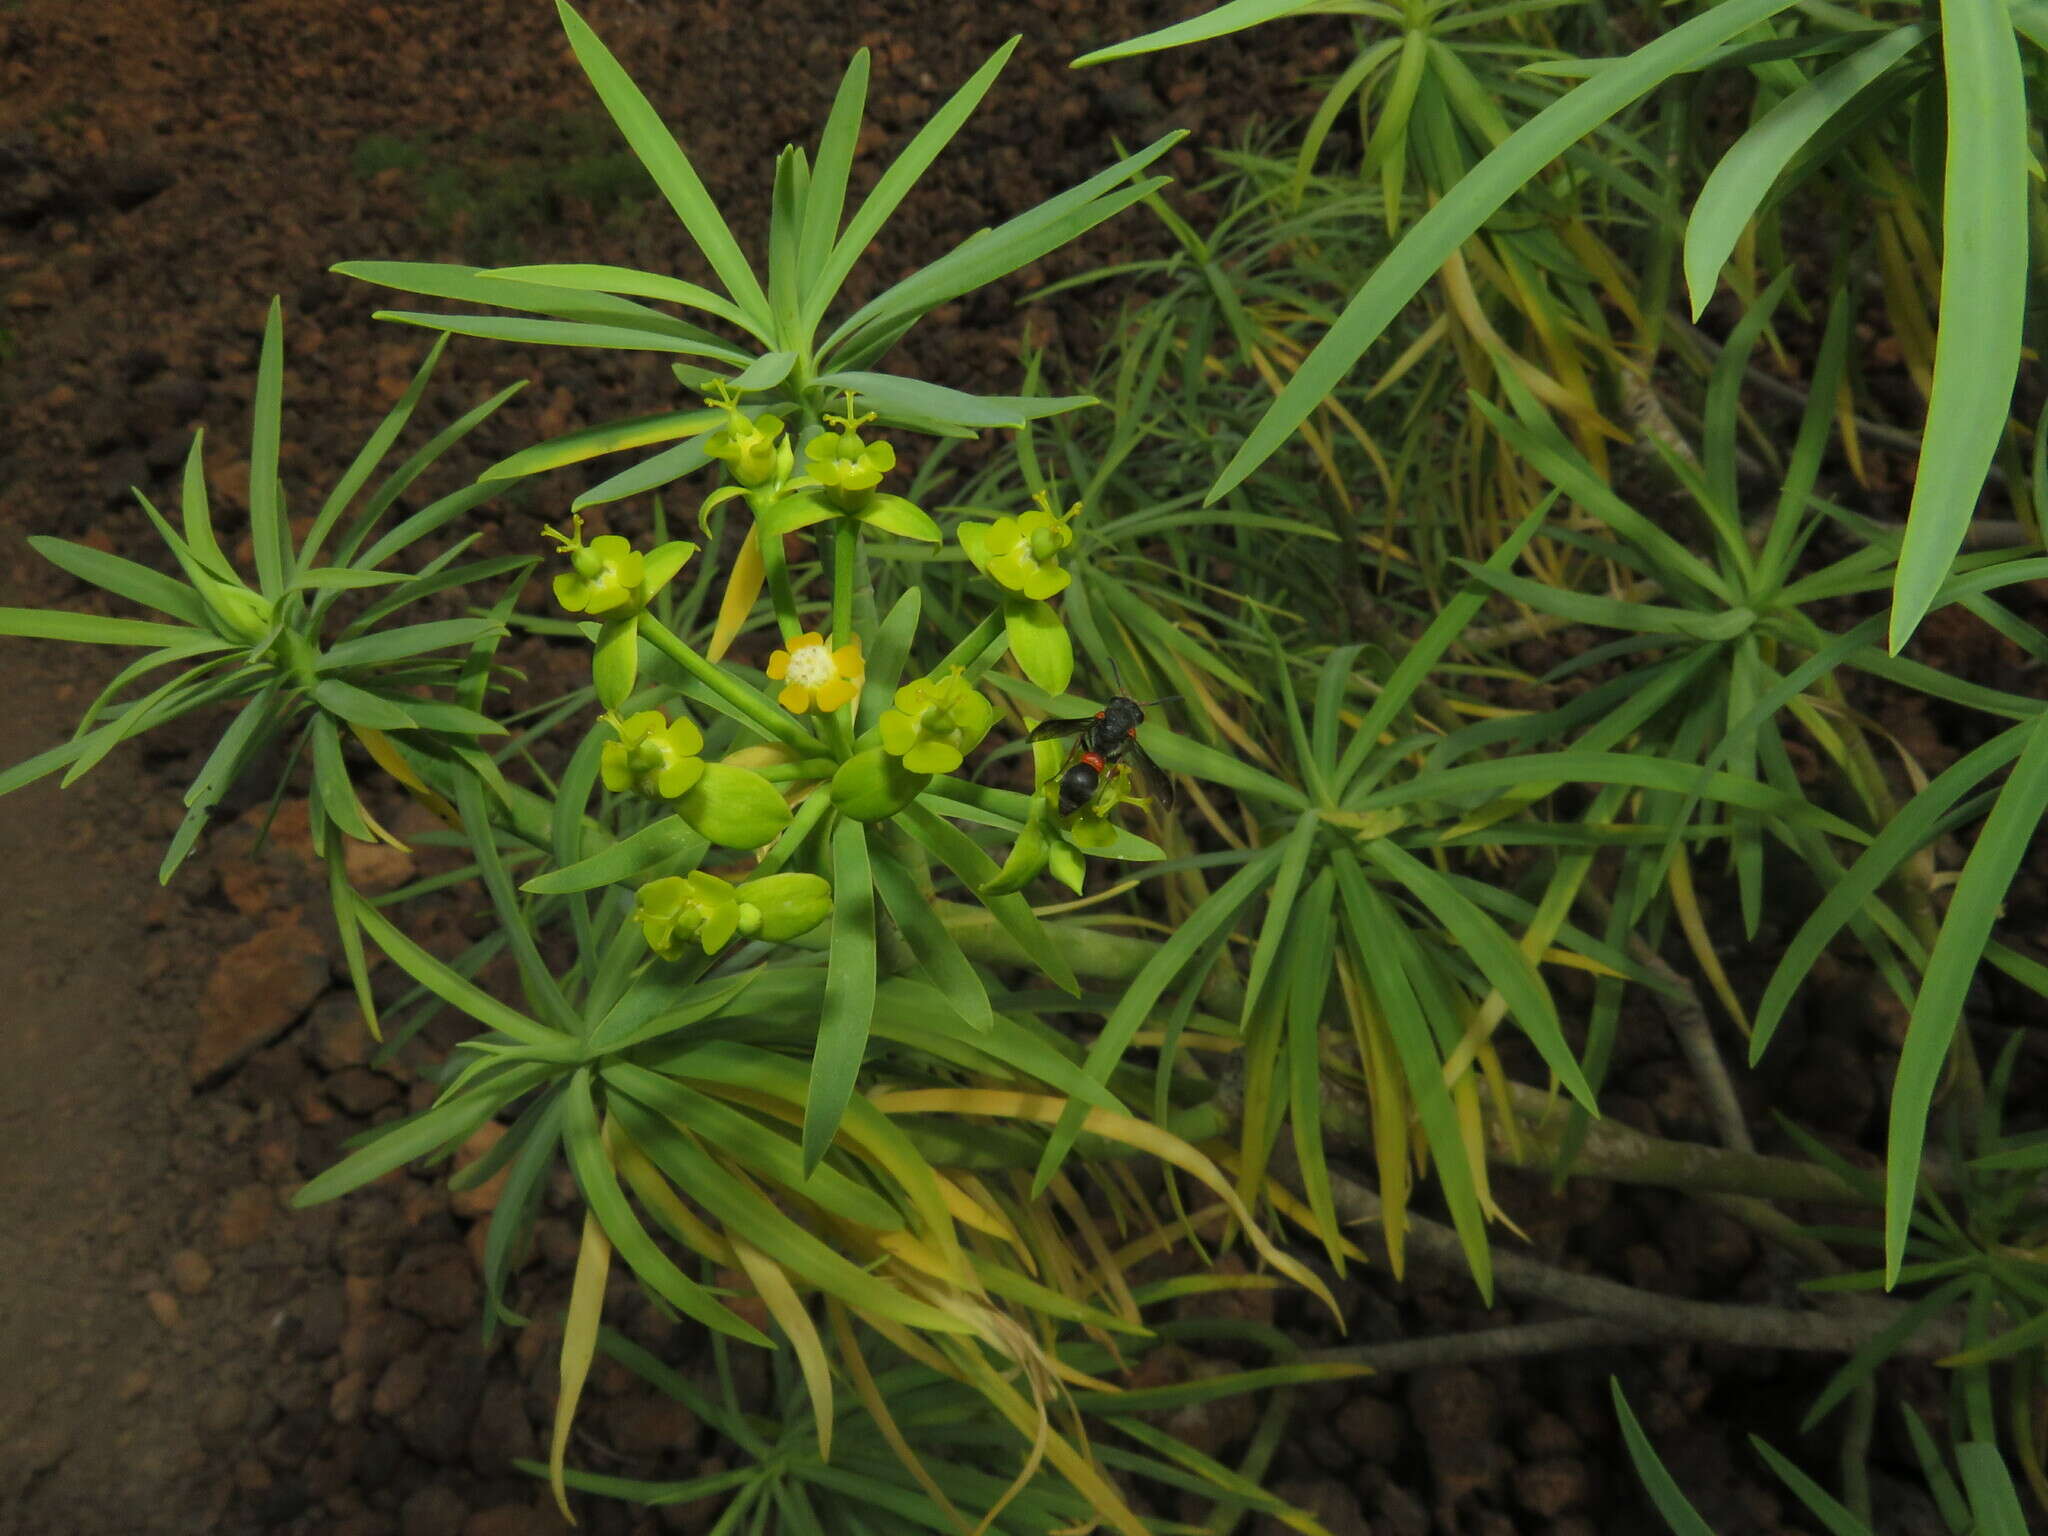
(588, 277)
(394, 485)
(1744, 176)
(87, 628)
(1983, 297)
(1986, 878)
(825, 198)
(560, 333)
(905, 519)
(849, 991)
(1493, 953)
(893, 395)
(1235, 16)
(397, 644)
(196, 515)
(986, 256)
(577, 307)
(1993, 1499)
(887, 655)
(1167, 966)
(332, 791)
(951, 972)
(347, 702)
(1387, 959)
(599, 1184)
(124, 578)
(958, 852)
(1040, 642)
(810, 1260)
(1308, 989)
(447, 1124)
(1683, 1519)
(895, 182)
(367, 458)
(608, 437)
(450, 986)
(663, 839)
(1467, 205)
(657, 149)
(272, 539)
(754, 1144)
(649, 474)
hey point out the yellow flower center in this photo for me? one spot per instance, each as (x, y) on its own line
(811, 666)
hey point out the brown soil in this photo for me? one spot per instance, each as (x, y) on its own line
(178, 1353)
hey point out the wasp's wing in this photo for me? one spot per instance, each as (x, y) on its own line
(1153, 784)
(1053, 730)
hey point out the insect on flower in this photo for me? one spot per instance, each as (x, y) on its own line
(1103, 739)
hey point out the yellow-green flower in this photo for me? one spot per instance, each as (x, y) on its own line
(1022, 553)
(848, 467)
(937, 721)
(755, 450)
(813, 673)
(653, 757)
(608, 577)
(678, 908)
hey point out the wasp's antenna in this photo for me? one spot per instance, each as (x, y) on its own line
(1116, 674)
(1171, 698)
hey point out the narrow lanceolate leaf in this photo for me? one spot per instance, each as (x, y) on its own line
(935, 947)
(849, 991)
(1168, 965)
(1233, 16)
(1987, 875)
(1983, 297)
(609, 437)
(935, 402)
(1745, 175)
(579, 1346)
(87, 628)
(266, 517)
(1470, 203)
(658, 150)
(1663, 1489)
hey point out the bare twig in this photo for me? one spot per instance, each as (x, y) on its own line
(1485, 1344)
(1658, 1316)
(1694, 1033)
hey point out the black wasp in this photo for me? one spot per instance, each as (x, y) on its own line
(1106, 737)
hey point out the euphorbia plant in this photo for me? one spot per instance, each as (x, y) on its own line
(736, 1108)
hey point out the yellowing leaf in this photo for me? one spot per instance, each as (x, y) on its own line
(1047, 1109)
(579, 1344)
(742, 591)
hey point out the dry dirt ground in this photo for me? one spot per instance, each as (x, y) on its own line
(179, 1353)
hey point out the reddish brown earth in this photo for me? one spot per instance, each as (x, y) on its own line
(178, 1352)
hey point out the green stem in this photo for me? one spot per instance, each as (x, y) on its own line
(780, 593)
(845, 576)
(770, 721)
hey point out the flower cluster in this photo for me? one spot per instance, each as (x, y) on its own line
(845, 465)
(754, 450)
(937, 721)
(1023, 553)
(608, 578)
(678, 909)
(654, 757)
